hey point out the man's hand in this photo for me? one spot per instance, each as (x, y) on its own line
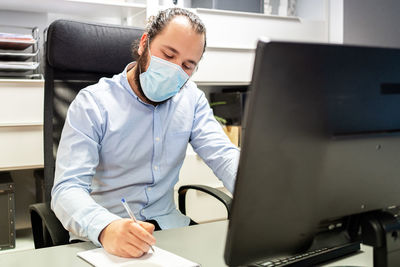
(125, 238)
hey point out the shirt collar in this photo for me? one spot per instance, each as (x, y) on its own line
(127, 86)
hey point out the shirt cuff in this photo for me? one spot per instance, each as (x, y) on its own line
(98, 224)
(229, 176)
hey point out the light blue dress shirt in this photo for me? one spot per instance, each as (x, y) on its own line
(115, 146)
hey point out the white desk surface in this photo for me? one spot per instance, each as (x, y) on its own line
(203, 244)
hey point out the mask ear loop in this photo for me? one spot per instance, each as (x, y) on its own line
(148, 48)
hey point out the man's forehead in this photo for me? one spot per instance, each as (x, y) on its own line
(179, 23)
(181, 20)
(180, 30)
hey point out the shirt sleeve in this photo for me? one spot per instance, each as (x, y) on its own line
(211, 143)
(77, 159)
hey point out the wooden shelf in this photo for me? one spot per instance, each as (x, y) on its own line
(21, 124)
(22, 81)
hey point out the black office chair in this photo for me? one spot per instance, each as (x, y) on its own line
(78, 54)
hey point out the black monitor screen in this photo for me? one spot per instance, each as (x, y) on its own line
(321, 142)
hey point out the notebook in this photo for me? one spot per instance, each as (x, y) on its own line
(100, 258)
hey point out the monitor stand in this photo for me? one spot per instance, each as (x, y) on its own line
(326, 246)
(381, 230)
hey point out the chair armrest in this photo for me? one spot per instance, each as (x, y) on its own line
(221, 196)
(46, 228)
(39, 182)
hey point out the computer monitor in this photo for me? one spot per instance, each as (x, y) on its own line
(321, 147)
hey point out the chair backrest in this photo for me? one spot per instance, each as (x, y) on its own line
(77, 54)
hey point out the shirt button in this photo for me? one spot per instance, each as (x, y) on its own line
(157, 139)
(155, 168)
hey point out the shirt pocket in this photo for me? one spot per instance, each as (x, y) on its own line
(175, 145)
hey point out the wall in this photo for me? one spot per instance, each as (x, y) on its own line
(311, 9)
(335, 21)
(20, 18)
(371, 22)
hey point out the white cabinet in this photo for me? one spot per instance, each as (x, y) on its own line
(232, 38)
(234, 29)
(21, 124)
(225, 66)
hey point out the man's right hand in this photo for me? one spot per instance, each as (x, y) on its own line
(125, 238)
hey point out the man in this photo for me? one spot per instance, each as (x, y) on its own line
(126, 137)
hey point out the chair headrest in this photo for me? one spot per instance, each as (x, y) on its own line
(89, 47)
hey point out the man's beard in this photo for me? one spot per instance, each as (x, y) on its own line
(141, 67)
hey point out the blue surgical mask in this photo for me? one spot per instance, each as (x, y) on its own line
(162, 79)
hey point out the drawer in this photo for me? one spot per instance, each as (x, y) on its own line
(21, 147)
(21, 102)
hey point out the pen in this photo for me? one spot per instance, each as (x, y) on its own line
(131, 215)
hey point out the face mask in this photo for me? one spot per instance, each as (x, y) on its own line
(162, 79)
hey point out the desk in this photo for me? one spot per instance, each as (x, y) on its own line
(203, 244)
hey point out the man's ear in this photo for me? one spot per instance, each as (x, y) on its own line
(142, 43)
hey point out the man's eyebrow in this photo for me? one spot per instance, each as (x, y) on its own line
(176, 52)
(171, 48)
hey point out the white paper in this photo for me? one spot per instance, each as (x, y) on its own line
(18, 65)
(160, 258)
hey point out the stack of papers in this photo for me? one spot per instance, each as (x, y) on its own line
(18, 66)
(159, 258)
(4, 55)
(19, 53)
(15, 41)
(16, 36)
